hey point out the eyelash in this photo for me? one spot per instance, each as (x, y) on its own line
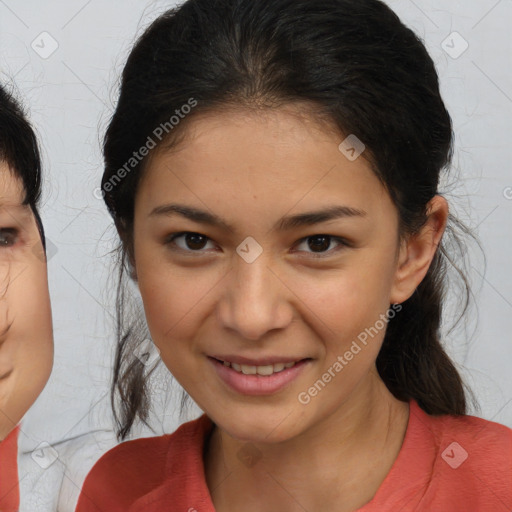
(342, 243)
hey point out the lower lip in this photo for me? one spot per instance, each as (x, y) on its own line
(258, 384)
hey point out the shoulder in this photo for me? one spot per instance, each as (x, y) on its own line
(131, 457)
(134, 468)
(474, 459)
(123, 473)
(481, 437)
(9, 491)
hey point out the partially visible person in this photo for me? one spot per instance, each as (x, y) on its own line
(26, 334)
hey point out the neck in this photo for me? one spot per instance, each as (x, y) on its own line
(337, 464)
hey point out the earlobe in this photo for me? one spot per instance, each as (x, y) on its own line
(130, 258)
(418, 250)
(132, 270)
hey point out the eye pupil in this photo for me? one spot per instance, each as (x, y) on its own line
(7, 237)
(322, 242)
(195, 241)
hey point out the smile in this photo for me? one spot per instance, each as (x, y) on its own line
(270, 376)
(264, 371)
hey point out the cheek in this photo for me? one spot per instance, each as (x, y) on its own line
(348, 307)
(347, 301)
(28, 307)
(173, 300)
(28, 345)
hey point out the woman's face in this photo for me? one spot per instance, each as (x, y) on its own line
(258, 283)
(26, 342)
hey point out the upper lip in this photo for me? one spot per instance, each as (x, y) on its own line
(261, 361)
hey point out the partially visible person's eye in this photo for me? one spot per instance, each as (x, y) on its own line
(319, 245)
(8, 237)
(190, 242)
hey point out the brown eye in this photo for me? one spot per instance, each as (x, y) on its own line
(319, 245)
(8, 237)
(188, 241)
(194, 241)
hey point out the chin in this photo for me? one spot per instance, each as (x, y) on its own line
(260, 425)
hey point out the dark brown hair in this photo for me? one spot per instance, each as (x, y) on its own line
(356, 64)
(20, 151)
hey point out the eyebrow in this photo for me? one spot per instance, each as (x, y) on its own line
(18, 212)
(284, 224)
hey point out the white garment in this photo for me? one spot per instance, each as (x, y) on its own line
(56, 487)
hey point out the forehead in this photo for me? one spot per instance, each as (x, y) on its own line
(285, 153)
(12, 192)
(280, 126)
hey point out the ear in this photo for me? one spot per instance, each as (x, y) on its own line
(417, 252)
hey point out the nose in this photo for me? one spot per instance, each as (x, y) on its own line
(256, 300)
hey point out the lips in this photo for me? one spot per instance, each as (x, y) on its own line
(258, 379)
(263, 370)
(263, 366)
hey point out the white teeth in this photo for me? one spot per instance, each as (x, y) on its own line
(248, 370)
(265, 371)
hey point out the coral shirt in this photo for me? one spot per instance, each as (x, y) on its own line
(9, 489)
(446, 464)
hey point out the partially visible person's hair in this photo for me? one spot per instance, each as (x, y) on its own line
(20, 151)
(351, 62)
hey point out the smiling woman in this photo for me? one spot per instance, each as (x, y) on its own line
(26, 339)
(287, 241)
